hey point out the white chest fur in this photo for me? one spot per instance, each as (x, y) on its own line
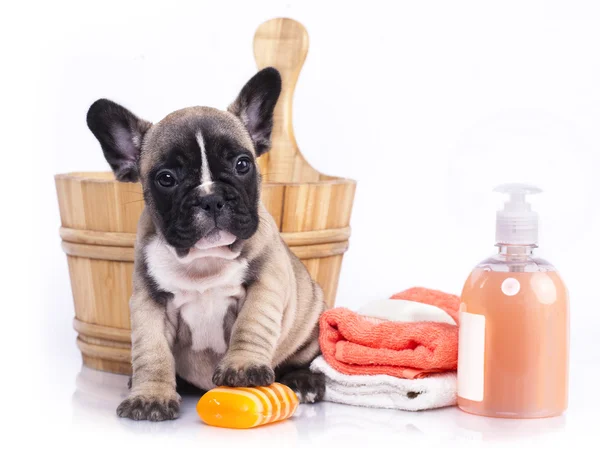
(204, 287)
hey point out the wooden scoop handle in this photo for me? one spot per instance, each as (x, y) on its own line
(283, 43)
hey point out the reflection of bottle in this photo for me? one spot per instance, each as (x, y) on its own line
(514, 324)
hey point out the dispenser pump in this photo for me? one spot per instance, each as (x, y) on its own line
(517, 224)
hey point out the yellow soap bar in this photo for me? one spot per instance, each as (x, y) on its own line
(242, 408)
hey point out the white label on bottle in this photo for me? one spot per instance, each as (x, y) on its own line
(471, 353)
(510, 286)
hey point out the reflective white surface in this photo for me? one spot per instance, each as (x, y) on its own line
(96, 395)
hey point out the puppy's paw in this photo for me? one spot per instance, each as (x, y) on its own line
(149, 407)
(308, 386)
(250, 375)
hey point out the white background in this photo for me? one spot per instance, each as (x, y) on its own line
(428, 105)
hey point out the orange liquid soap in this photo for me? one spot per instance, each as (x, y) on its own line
(514, 329)
(243, 408)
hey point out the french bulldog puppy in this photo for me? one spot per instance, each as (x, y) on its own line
(218, 298)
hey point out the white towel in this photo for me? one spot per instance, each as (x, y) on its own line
(385, 391)
(400, 310)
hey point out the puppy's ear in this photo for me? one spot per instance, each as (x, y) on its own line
(255, 104)
(120, 134)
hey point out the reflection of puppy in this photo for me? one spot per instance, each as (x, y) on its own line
(218, 298)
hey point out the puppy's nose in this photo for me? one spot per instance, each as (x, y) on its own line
(212, 203)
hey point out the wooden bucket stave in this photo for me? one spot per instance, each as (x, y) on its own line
(99, 217)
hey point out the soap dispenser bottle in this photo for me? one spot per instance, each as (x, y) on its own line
(513, 353)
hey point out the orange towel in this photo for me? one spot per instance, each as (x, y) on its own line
(359, 345)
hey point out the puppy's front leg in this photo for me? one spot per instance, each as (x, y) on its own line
(249, 359)
(153, 396)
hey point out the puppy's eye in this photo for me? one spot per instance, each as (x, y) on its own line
(166, 179)
(243, 165)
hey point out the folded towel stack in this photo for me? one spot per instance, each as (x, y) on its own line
(398, 353)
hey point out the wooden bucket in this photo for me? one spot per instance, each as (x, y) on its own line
(99, 217)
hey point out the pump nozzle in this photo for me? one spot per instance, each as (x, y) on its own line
(517, 223)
